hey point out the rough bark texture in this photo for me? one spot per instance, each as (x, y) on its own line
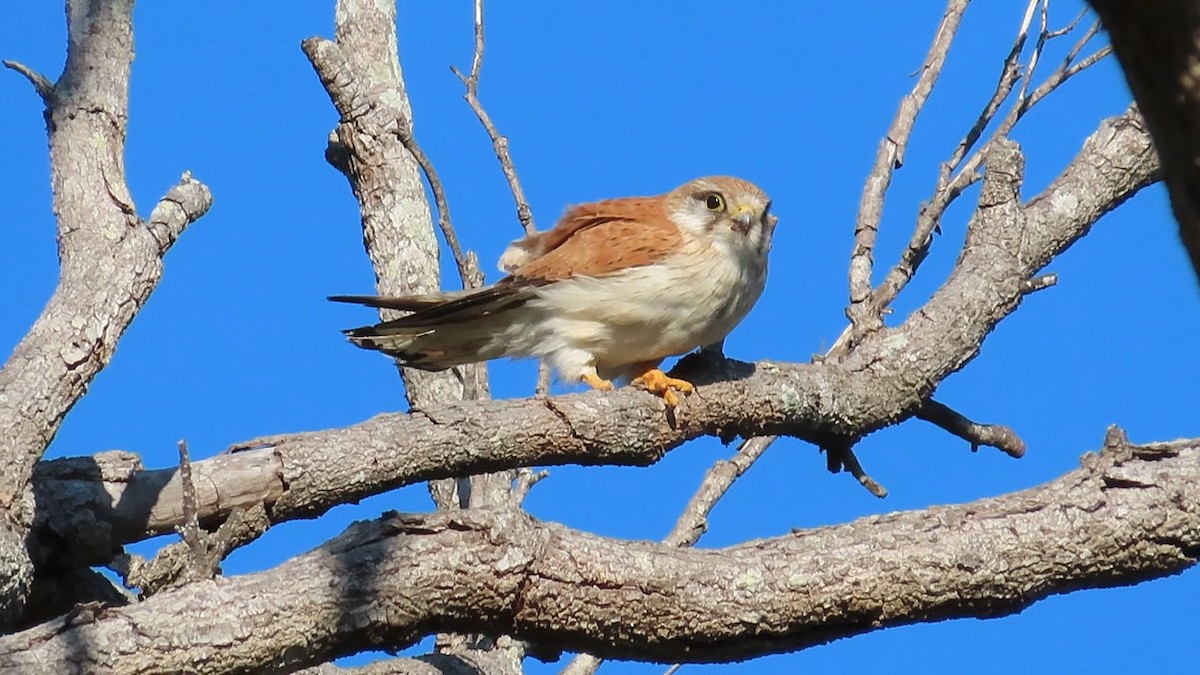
(1128, 514)
(110, 261)
(388, 582)
(360, 70)
(881, 382)
(1158, 44)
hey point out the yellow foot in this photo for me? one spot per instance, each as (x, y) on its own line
(596, 382)
(659, 383)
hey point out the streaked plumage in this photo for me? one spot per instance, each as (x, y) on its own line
(611, 290)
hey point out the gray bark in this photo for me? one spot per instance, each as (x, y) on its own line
(1129, 513)
(361, 72)
(110, 262)
(882, 382)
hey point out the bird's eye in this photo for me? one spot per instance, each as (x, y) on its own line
(714, 202)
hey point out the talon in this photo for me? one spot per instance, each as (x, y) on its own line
(596, 382)
(659, 383)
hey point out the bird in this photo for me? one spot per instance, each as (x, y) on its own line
(615, 287)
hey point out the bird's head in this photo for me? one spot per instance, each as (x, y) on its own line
(730, 212)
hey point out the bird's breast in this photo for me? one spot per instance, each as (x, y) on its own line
(692, 299)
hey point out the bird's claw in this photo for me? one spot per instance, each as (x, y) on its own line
(660, 384)
(596, 382)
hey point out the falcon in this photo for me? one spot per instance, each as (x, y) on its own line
(614, 288)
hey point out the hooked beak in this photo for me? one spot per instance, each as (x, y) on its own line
(743, 218)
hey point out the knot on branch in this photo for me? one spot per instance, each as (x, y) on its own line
(1004, 174)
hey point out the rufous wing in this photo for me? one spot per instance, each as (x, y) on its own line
(596, 239)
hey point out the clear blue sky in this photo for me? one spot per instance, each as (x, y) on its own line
(609, 99)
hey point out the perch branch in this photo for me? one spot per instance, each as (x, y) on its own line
(383, 584)
(874, 386)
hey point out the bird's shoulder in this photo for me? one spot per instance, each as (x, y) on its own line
(595, 239)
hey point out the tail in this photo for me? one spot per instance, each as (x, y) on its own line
(445, 330)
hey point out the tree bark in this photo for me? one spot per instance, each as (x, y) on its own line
(1129, 513)
(1158, 44)
(882, 382)
(110, 262)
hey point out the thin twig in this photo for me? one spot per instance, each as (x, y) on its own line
(499, 142)
(1068, 70)
(190, 530)
(992, 435)
(1070, 26)
(841, 457)
(693, 522)
(500, 146)
(890, 156)
(930, 215)
(471, 276)
(1036, 55)
(948, 187)
(44, 87)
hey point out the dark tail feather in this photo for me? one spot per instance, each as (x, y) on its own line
(444, 330)
(407, 303)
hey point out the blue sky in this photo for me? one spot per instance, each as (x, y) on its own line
(610, 99)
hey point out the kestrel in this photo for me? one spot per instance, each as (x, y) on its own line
(614, 288)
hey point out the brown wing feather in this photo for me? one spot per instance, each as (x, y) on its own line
(599, 238)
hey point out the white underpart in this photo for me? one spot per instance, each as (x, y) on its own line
(647, 313)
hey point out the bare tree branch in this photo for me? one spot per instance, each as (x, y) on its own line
(888, 378)
(499, 142)
(385, 583)
(890, 156)
(41, 84)
(110, 262)
(962, 169)
(361, 71)
(468, 269)
(994, 435)
(839, 456)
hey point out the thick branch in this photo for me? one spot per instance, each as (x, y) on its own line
(885, 380)
(1158, 44)
(380, 157)
(1134, 510)
(110, 262)
(361, 72)
(111, 259)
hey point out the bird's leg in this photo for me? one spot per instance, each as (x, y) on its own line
(594, 381)
(659, 383)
